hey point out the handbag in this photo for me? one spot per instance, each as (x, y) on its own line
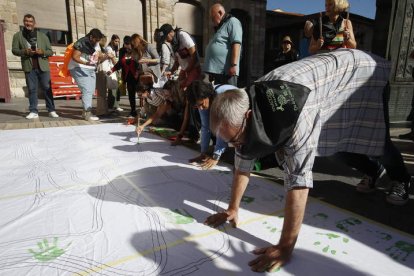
(112, 81)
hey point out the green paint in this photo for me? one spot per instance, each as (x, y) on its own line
(330, 236)
(48, 252)
(345, 223)
(400, 250)
(270, 228)
(384, 236)
(321, 215)
(179, 217)
(247, 199)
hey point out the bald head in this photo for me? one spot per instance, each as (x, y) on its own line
(216, 13)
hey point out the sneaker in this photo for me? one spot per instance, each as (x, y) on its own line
(407, 136)
(118, 109)
(398, 194)
(88, 116)
(53, 114)
(32, 115)
(369, 184)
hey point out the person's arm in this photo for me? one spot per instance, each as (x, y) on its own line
(315, 45)
(184, 124)
(349, 38)
(166, 57)
(76, 57)
(276, 256)
(161, 109)
(17, 51)
(235, 54)
(239, 185)
(193, 53)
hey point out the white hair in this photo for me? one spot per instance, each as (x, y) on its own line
(228, 109)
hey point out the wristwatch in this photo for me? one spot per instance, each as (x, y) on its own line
(233, 64)
(216, 157)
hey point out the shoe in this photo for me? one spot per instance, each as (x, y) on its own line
(53, 114)
(118, 109)
(88, 116)
(369, 184)
(32, 115)
(398, 194)
(407, 136)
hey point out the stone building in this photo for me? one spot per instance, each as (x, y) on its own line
(65, 21)
(68, 20)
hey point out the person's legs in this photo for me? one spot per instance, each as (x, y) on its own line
(131, 86)
(86, 81)
(111, 98)
(102, 104)
(32, 84)
(44, 78)
(232, 80)
(374, 172)
(394, 163)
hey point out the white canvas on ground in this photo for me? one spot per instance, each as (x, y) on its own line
(89, 200)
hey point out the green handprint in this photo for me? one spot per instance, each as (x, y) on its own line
(178, 217)
(330, 237)
(46, 252)
(381, 235)
(400, 248)
(345, 223)
(270, 228)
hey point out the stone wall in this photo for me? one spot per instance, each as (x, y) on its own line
(401, 44)
(88, 14)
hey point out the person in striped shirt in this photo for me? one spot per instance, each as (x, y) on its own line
(322, 105)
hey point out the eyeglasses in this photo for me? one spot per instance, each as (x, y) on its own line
(235, 140)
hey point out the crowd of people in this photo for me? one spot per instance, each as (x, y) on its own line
(332, 103)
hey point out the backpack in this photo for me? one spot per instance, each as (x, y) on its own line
(64, 72)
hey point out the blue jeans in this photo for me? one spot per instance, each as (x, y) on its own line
(220, 146)
(86, 80)
(33, 78)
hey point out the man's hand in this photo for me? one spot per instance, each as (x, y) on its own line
(28, 52)
(270, 258)
(218, 219)
(233, 70)
(39, 52)
(208, 163)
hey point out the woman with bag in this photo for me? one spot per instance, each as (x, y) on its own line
(129, 75)
(114, 92)
(82, 66)
(102, 79)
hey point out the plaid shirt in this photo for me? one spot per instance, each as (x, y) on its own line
(343, 113)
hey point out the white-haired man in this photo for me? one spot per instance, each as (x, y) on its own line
(319, 106)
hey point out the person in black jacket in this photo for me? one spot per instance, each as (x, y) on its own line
(286, 54)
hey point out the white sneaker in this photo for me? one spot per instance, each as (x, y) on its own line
(119, 109)
(32, 115)
(53, 114)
